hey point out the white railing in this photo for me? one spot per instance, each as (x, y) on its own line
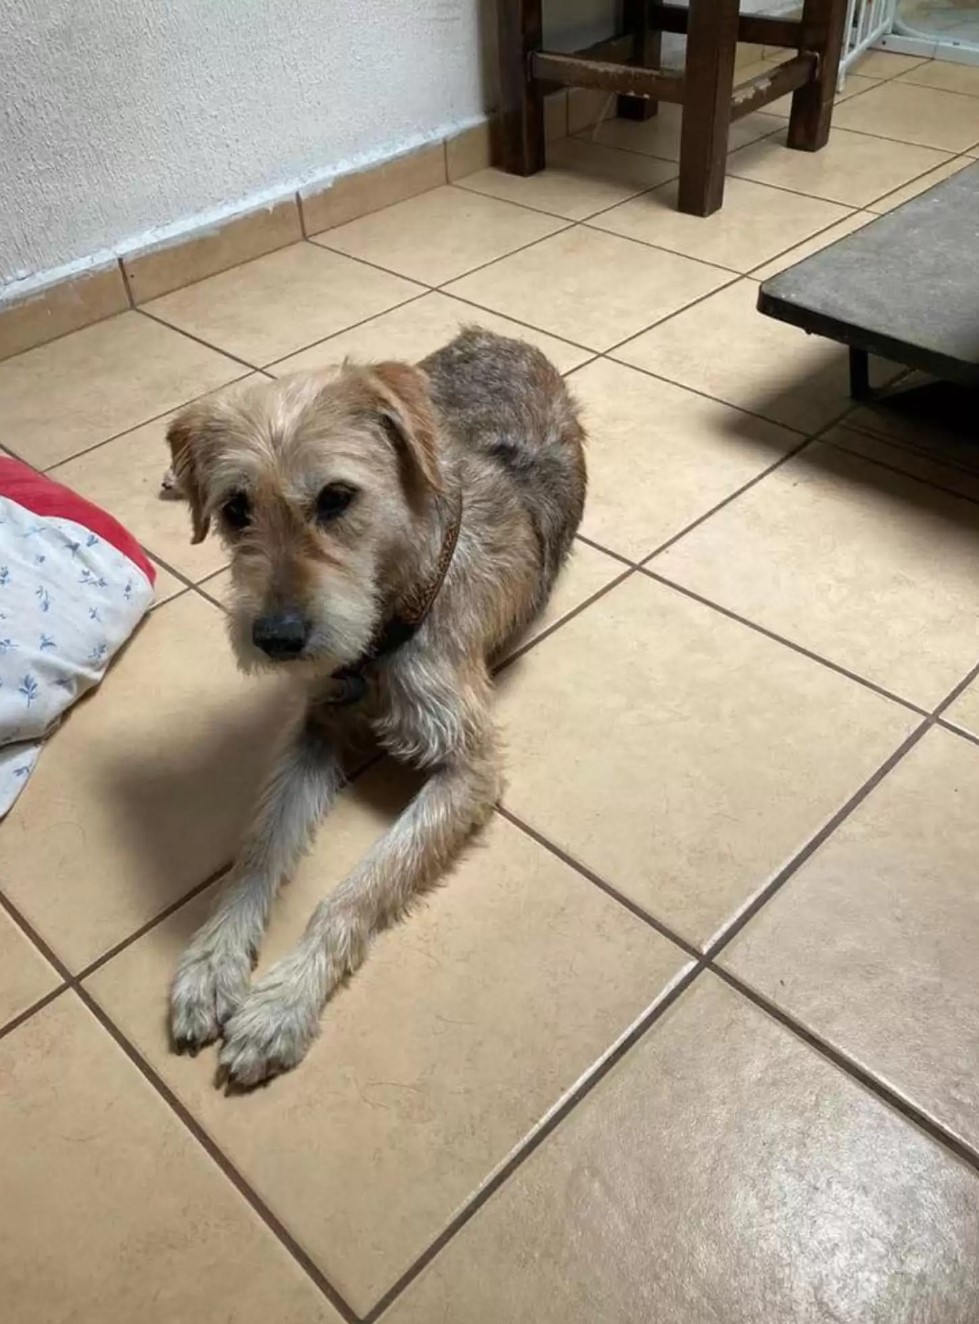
(866, 22)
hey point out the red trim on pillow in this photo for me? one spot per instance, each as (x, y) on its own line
(42, 495)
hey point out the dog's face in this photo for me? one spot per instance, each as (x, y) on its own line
(320, 485)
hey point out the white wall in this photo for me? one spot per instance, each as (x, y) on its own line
(120, 116)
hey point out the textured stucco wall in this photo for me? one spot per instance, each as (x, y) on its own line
(119, 117)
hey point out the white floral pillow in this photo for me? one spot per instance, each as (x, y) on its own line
(73, 587)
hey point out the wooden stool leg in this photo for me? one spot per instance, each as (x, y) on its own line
(521, 99)
(647, 50)
(712, 38)
(823, 24)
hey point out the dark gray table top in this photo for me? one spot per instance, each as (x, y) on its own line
(906, 286)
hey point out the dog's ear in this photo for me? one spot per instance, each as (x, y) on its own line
(402, 399)
(187, 435)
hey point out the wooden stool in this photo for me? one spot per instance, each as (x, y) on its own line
(627, 65)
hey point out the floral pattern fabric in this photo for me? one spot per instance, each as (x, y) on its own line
(69, 599)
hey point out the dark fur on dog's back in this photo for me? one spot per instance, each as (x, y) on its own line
(504, 404)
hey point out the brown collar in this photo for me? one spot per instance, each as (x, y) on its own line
(398, 628)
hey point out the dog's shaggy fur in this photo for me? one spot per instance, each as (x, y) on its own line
(339, 494)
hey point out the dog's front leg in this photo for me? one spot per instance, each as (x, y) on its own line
(279, 1019)
(213, 974)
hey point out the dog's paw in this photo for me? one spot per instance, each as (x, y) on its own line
(210, 983)
(272, 1029)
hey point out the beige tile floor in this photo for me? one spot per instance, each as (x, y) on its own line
(693, 1034)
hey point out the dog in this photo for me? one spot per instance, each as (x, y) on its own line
(391, 527)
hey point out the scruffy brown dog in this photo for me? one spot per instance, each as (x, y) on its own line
(390, 527)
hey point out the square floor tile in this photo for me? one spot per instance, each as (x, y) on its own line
(680, 755)
(726, 348)
(466, 1025)
(722, 1171)
(872, 944)
(145, 789)
(279, 303)
(913, 114)
(593, 288)
(660, 457)
(25, 976)
(417, 329)
(755, 223)
(865, 566)
(123, 477)
(111, 1210)
(441, 234)
(63, 397)
(581, 178)
(944, 75)
(660, 136)
(855, 221)
(920, 185)
(853, 168)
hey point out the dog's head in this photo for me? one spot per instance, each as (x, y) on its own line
(321, 485)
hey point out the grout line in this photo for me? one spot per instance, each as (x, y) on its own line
(850, 1067)
(275, 363)
(317, 241)
(178, 574)
(189, 335)
(125, 280)
(150, 924)
(218, 1157)
(954, 693)
(955, 730)
(608, 888)
(639, 191)
(154, 418)
(28, 1012)
(73, 983)
(661, 248)
(851, 211)
(856, 206)
(534, 1141)
(525, 648)
(905, 473)
(931, 719)
(302, 215)
(701, 298)
(563, 229)
(725, 501)
(904, 80)
(904, 446)
(787, 643)
(761, 899)
(42, 946)
(598, 547)
(695, 390)
(585, 349)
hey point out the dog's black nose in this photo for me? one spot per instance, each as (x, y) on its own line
(281, 635)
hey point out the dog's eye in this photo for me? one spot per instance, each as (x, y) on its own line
(333, 500)
(237, 511)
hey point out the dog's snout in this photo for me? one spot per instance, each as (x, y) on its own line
(281, 634)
